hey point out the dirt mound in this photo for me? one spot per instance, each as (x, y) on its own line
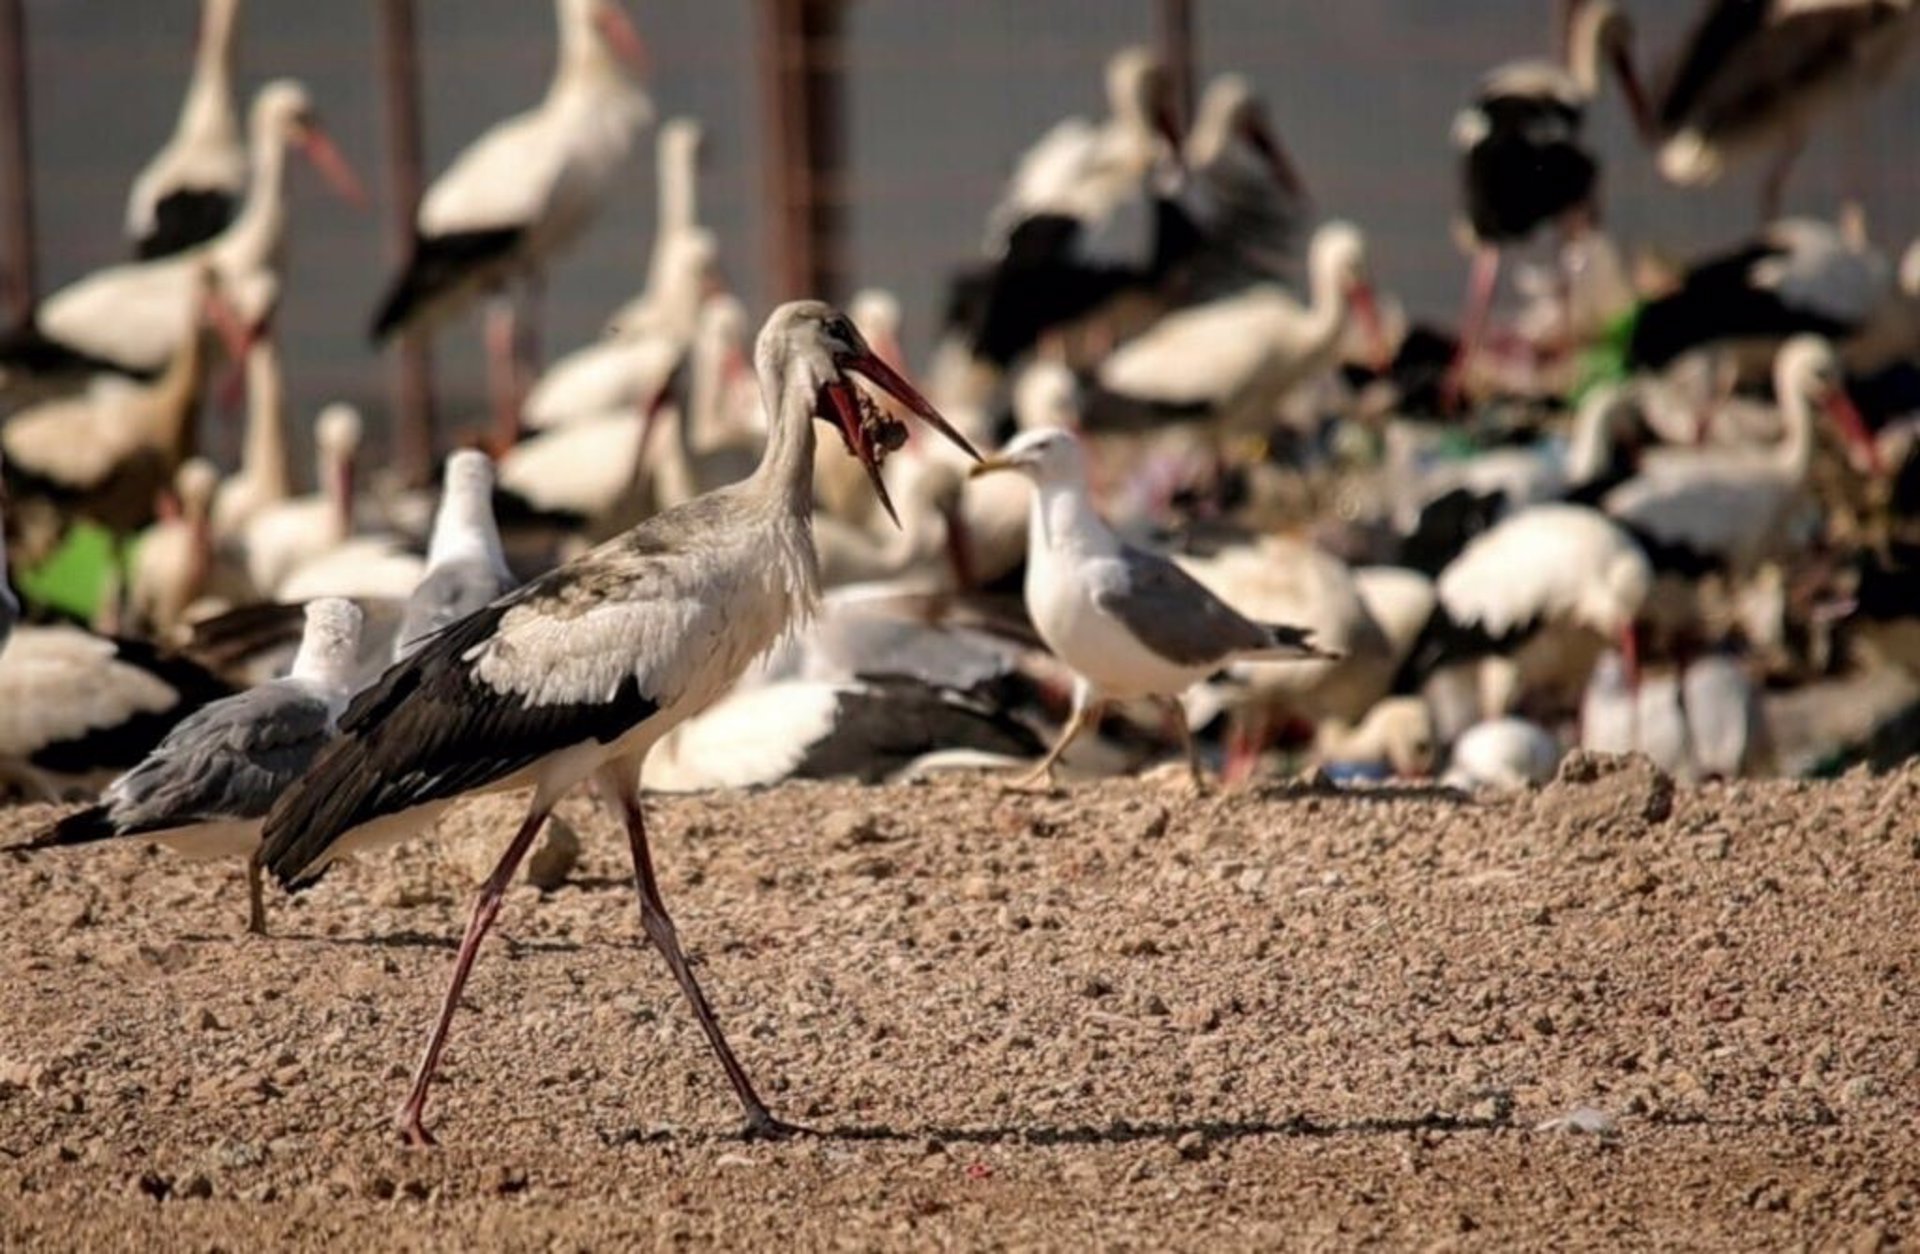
(1606, 1013)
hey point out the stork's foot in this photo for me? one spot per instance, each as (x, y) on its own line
(1040, 781)
(762, 1126)
(413, 1133)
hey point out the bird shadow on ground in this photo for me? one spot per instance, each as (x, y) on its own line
(1119, 1132)
(410, 939)
(1296, 790)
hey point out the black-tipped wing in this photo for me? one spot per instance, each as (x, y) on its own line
(1172, 613)
(549, 667)
(183, 218)
(230, 760)
(438, 265)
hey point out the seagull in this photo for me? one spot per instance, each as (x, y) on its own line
(1128, 622)
(204, 789)
(186, 194)
(466, 567)
(579, 673)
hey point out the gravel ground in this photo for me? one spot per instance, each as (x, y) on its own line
(1113, 1016)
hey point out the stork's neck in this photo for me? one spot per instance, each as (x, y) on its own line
(263, 456)
(785, 473)
(1793, 455)
(586, 63)
(208, 111)
(679, 194)
(464, 528)
(255, 234)
(336, 470)
(1326, 319)
(1065, 521)
(171, 399)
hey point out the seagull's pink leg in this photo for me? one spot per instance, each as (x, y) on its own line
(622, 780)
(485, 907)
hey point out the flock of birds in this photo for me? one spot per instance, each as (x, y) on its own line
(1239, 506)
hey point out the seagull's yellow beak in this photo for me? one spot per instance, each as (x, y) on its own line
(990, 463)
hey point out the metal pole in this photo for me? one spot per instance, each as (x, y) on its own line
(800, 65)
(412, 435)
(1176, 49)
(16, 161)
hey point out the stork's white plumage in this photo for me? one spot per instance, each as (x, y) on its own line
(1231, 360)
(579, 673)
(530, 185)
(717, 427)
(285, 536)
(1734, 507)
(1130, 623)
(265, 478)
(207, 785)
(186, 194)
(134, 317)
(1529, 604)
(625, 373)
(175, 557)
(1079, 222)
(1502, 754)
(676, 215)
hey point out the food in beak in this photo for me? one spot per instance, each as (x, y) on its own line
(870, 434)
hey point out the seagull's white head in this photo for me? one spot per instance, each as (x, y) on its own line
(1044, 455)
(330, 641)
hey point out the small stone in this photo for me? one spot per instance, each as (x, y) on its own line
(1192, 1147)
(207, 1021)
(554, 859)
(1095, 986)
(1589, 1120)
(848, 829)
(197, 1187)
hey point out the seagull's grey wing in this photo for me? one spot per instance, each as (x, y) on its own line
(229, 760)
(1171, 613)
(447, 595)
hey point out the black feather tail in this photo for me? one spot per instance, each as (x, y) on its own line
(439, 265)
(82, 827)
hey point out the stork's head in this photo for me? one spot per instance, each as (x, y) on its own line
(606, 24)
(1231, 111)
(811, 342)
(1337, 264)
(283, 113)
(1808, 372)
(1044, 455)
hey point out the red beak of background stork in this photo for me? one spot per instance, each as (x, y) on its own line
(327, 158)
(1846, 416)
(1367, 310)
(870, 443)
(622, 37)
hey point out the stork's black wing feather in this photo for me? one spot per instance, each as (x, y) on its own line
(438, 265)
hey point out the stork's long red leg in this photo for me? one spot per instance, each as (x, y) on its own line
(1473, 320)
(503, 370)
(623, 781)
(485, 907)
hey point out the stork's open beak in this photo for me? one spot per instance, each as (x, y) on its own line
(1367, 309)
(1634, 91)
(1278, 159)
(1846, 416)
(327, 158)
(864, 362)
(621, 35)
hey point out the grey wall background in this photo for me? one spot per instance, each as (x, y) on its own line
(943, 94)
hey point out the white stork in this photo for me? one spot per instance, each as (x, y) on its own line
(1244, 193)
(206, 786)
(1798, 276)
(1523, 161)
(265, 477)
(676, 214)
(133, 318)
(717, 429)
(625, 372)
(579, 673)
(1732, 509)
(1085, 218)
(1230, 361)
(174, 560)
(76, 707)
(282, 537)
(1756, 75)
(1527, 607)
(186, 194)
(525, 189)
